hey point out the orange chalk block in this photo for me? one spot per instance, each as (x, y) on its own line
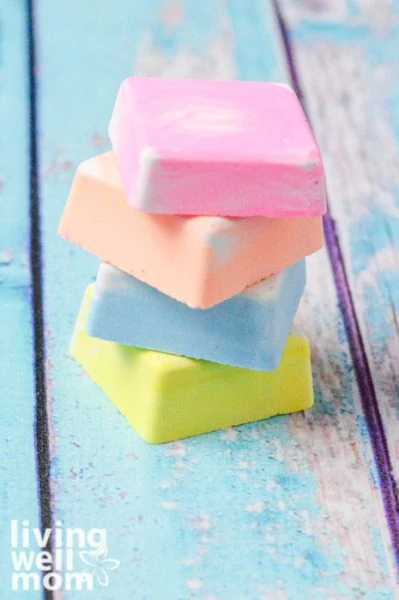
(198, 260)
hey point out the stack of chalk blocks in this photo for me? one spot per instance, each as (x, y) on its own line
(202, 216)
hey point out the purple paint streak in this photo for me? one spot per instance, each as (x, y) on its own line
(389, 488)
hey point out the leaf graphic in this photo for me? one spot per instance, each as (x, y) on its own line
(102, 577)
(110, 564)
(88, 557)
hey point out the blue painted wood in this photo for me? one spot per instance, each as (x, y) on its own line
(347, 48)
(288, 508)
(18, 484)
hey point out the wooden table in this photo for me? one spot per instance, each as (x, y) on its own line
(296, 507)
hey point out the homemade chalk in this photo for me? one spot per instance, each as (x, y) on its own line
(197, 147)
(167, 397)
(249, 330)
(198, 260)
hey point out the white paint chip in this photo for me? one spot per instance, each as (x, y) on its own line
(256, 507)
(194, 584)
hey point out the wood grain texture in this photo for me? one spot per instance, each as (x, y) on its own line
(289, 508)
(17, 412)
(349, 79)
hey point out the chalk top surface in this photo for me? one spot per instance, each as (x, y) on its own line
(246, 145)
(223, 120)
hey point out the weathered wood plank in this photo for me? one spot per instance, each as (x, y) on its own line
(347, 58)
(18, 482)
(292, 506)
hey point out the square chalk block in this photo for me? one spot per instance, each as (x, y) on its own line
(167, 397)
(226, 148)
(198, 260)
(249, 330)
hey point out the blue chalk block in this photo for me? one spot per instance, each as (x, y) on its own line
(249, 330)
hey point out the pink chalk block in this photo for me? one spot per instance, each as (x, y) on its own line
(198, 260)
(227, 148)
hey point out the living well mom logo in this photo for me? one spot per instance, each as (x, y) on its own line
(77, 561)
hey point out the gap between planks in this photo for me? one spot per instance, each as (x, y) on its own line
(41, 416)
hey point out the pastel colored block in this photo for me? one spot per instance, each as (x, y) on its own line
(249, 330)
(198, 260)
(235, 148)
(167, 397)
